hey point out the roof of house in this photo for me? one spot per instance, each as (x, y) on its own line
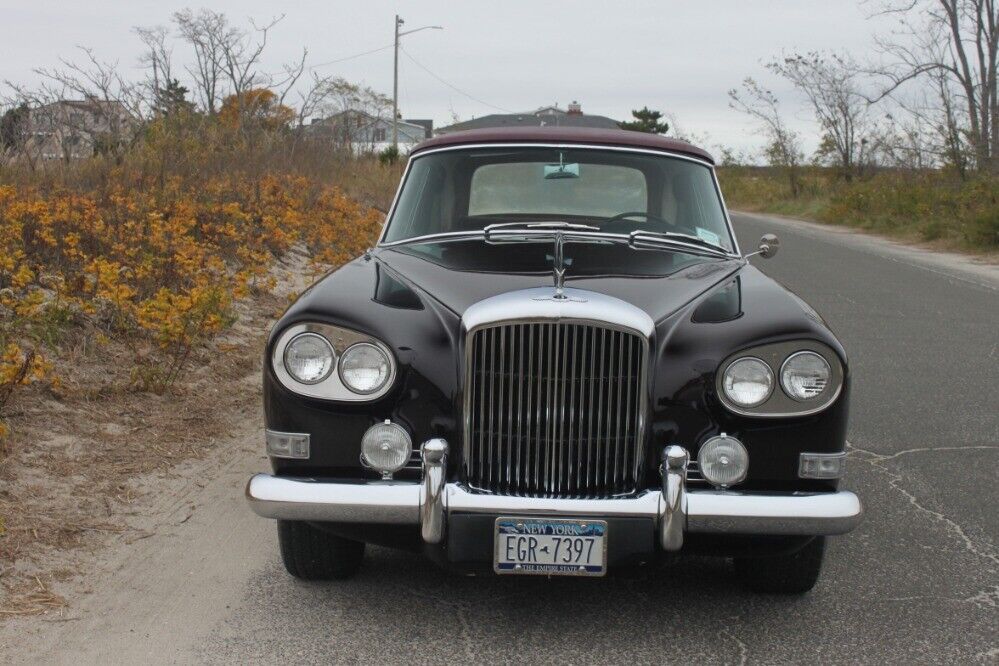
(531, 119)
(320, 124)
(551, 134)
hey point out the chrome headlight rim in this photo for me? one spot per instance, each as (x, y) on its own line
(770, 375)
(740, 448)
(365, 345)
(783, 383)
(406, 439)
(312, 335)
(779, 404)
(332, 387)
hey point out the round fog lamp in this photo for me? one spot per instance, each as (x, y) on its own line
(723, 461)
(309, 358)
(748, 382)
(365, 368)
(805, 375)
(386, 447)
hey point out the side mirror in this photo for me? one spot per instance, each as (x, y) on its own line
(768, 247)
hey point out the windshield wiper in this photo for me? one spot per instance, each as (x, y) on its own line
(553, 225)
(673, 238)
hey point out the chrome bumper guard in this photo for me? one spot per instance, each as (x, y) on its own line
(674, 509)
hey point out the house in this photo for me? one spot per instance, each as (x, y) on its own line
(546, 116)
(364, 132)
(76, 129)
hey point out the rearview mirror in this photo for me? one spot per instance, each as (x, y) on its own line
(769, 245)
(556, 171)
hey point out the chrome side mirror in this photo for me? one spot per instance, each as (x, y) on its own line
(768, 247)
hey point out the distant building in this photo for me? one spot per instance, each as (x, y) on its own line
(363, 132)
(76, 129)
(546, 116)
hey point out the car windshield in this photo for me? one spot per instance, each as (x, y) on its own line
(614, 190)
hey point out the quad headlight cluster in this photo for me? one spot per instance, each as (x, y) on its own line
(333, 363)
(782, 379)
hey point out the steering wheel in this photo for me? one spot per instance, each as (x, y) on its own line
(611, 224)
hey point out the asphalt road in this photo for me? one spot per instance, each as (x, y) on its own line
(917, 582)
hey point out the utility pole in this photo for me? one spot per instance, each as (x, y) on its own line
(395, 77)
(395, 89)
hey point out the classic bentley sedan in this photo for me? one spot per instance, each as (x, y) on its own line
(556, 361)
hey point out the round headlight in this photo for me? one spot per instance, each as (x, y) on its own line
(805, 375)
(748, 382)
(723, 461)
(309, 358)
(386, 447)
(365, 368)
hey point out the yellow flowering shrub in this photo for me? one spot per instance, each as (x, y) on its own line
(158, 268)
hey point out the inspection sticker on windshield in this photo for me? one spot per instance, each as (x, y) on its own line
(709, 236)
(550, 547)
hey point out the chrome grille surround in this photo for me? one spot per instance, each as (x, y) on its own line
(555, 401)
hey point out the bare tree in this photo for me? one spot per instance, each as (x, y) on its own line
(82, 107)
(958, 40)
(783, 149)
(206, 32)
(157, 59)
(241, 52)
(347, 105)
(832, 83)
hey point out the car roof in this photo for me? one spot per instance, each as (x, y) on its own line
(588, 135)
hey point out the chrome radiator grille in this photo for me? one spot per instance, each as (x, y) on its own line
(554, 409)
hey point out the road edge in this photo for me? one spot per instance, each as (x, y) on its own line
(953, 265)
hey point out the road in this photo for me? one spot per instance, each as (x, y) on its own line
(918, 582)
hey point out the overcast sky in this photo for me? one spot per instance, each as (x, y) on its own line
(673, 55)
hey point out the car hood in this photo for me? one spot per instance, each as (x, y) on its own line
(459, 273)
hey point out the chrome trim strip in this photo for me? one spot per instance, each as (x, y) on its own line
(584, 146)
(537, 305)
(707, 511)
(462, 500)
(571, 145)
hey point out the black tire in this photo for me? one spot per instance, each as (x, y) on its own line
(309, 553)
(796, 573)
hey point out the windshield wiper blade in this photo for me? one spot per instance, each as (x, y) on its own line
(553, 225)
(674, 237)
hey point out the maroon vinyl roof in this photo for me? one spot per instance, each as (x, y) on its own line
(607, 137)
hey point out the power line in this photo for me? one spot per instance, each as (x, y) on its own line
(452, 86)
(351, 57)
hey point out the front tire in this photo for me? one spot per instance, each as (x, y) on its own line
(796, 573)
(309, 553)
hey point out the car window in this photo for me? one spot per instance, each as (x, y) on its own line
(465, 190)
(523, 188)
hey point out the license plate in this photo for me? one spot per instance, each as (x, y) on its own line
(550, 547)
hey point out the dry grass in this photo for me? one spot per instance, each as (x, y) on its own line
(82, 460)
(135, 295)
(924, 207)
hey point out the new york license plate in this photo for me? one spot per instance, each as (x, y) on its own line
(550, 547)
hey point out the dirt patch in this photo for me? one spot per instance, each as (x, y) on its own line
(90, 460)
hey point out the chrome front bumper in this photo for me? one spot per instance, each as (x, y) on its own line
(674, 509)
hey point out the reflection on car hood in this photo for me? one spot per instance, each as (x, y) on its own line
(458, 273)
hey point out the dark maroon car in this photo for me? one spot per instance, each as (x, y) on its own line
(556, 361)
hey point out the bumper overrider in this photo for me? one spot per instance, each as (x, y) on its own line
(674, 509)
